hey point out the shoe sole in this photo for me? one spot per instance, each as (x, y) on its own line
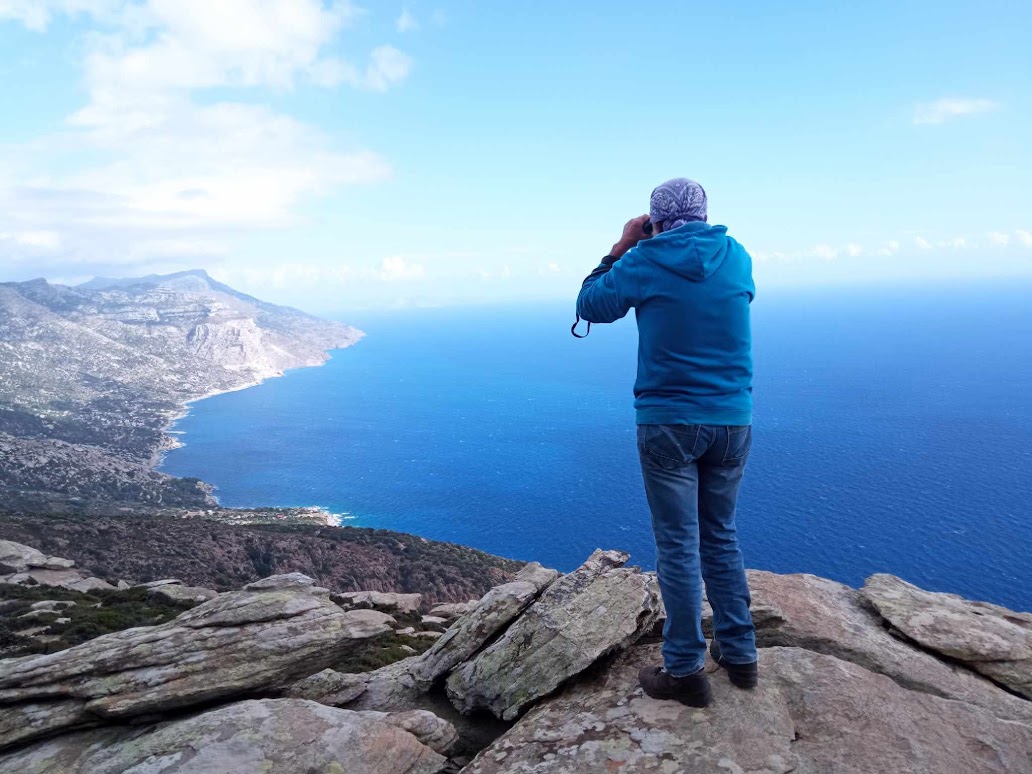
(698, 701)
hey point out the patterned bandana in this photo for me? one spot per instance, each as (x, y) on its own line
(677, 202)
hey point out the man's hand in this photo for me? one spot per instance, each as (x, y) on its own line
(632, 234)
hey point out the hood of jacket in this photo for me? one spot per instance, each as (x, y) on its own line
(693, 251)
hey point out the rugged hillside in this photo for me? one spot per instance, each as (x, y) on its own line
(208, 553)
(90, 376)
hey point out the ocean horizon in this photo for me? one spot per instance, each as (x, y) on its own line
(892, 433)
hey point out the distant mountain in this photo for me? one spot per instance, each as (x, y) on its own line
(91, 375)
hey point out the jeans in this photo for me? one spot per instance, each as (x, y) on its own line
(692, 474)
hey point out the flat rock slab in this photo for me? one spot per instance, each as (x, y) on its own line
(596, 609)
(811, 714)
(495, 610)
(988, 638)
(821, 615)
(285, 736)
(176, 593)
(237, 642)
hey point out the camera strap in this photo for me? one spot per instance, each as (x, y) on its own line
(573, 329)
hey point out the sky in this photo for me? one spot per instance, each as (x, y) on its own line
(339, 156)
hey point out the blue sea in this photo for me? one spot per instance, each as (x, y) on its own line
(893, 433)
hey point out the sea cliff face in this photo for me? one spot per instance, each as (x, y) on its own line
(91, 377)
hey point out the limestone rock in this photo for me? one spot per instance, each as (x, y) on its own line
(428, 635)
(391, 688)
(433, 620)
(329, 687)
(16, 558)
(176, 593)
(286, 736)
(492, 613)
(450, 611)
(61, 578)
(827, 617)
(988, 638)
(594, 610)
(387, 602)
(236, 642)
(811, 713)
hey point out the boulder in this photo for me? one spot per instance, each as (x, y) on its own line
(176, 593)
(57, 563)
(450, 611)
(433, 620)
(827, 617)
(16, 558)
(237, 642)
(61, 578)
(52, 604)
(162, 582)
(810, 713)
(436, 733)
(286, 736)
(429, 635)
(492, 613)
(290, 580)
(86, 585)
(388, 602)
(594, 610)
(329, 687)
(990, 639)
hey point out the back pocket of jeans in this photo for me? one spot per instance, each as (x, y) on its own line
(739, 442)
(669, 446)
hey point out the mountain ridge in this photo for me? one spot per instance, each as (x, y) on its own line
(91, 376)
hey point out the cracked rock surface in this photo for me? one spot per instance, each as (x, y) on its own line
(285, 736)
(811, 714)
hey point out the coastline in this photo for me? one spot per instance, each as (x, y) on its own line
(169, 443)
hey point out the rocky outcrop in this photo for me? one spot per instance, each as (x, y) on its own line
(598, 608)
(237, 642)
(285, 736)
(811, 713)
(492, 614)
(887, 679)
(992, 640)
(827, 617)
(177, 593)
(386, 602)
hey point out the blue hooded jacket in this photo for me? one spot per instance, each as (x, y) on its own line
(691, 289)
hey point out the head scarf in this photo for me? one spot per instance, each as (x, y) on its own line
(677, 202)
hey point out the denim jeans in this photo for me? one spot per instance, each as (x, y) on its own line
(692, 474)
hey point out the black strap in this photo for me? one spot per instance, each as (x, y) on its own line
(573, 329)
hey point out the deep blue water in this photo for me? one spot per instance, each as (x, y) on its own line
(893, 433)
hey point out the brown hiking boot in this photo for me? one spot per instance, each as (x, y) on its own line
(693, 690)
(741, 675)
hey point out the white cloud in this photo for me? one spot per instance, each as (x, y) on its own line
(949, 108)
(1024, 237)
(922, 243)
(44, 240)
(407, 22)
(999, 238)
(397, 268)
(825, 252)
(149, 161)
(957, 243)
(853, 250)
(889, 248)
(387, 67)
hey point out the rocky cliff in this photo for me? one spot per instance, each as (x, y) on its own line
(539, 675)
(91, 376)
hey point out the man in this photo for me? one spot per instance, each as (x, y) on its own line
(690, 285)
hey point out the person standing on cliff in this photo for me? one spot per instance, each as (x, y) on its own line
(690, 285)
